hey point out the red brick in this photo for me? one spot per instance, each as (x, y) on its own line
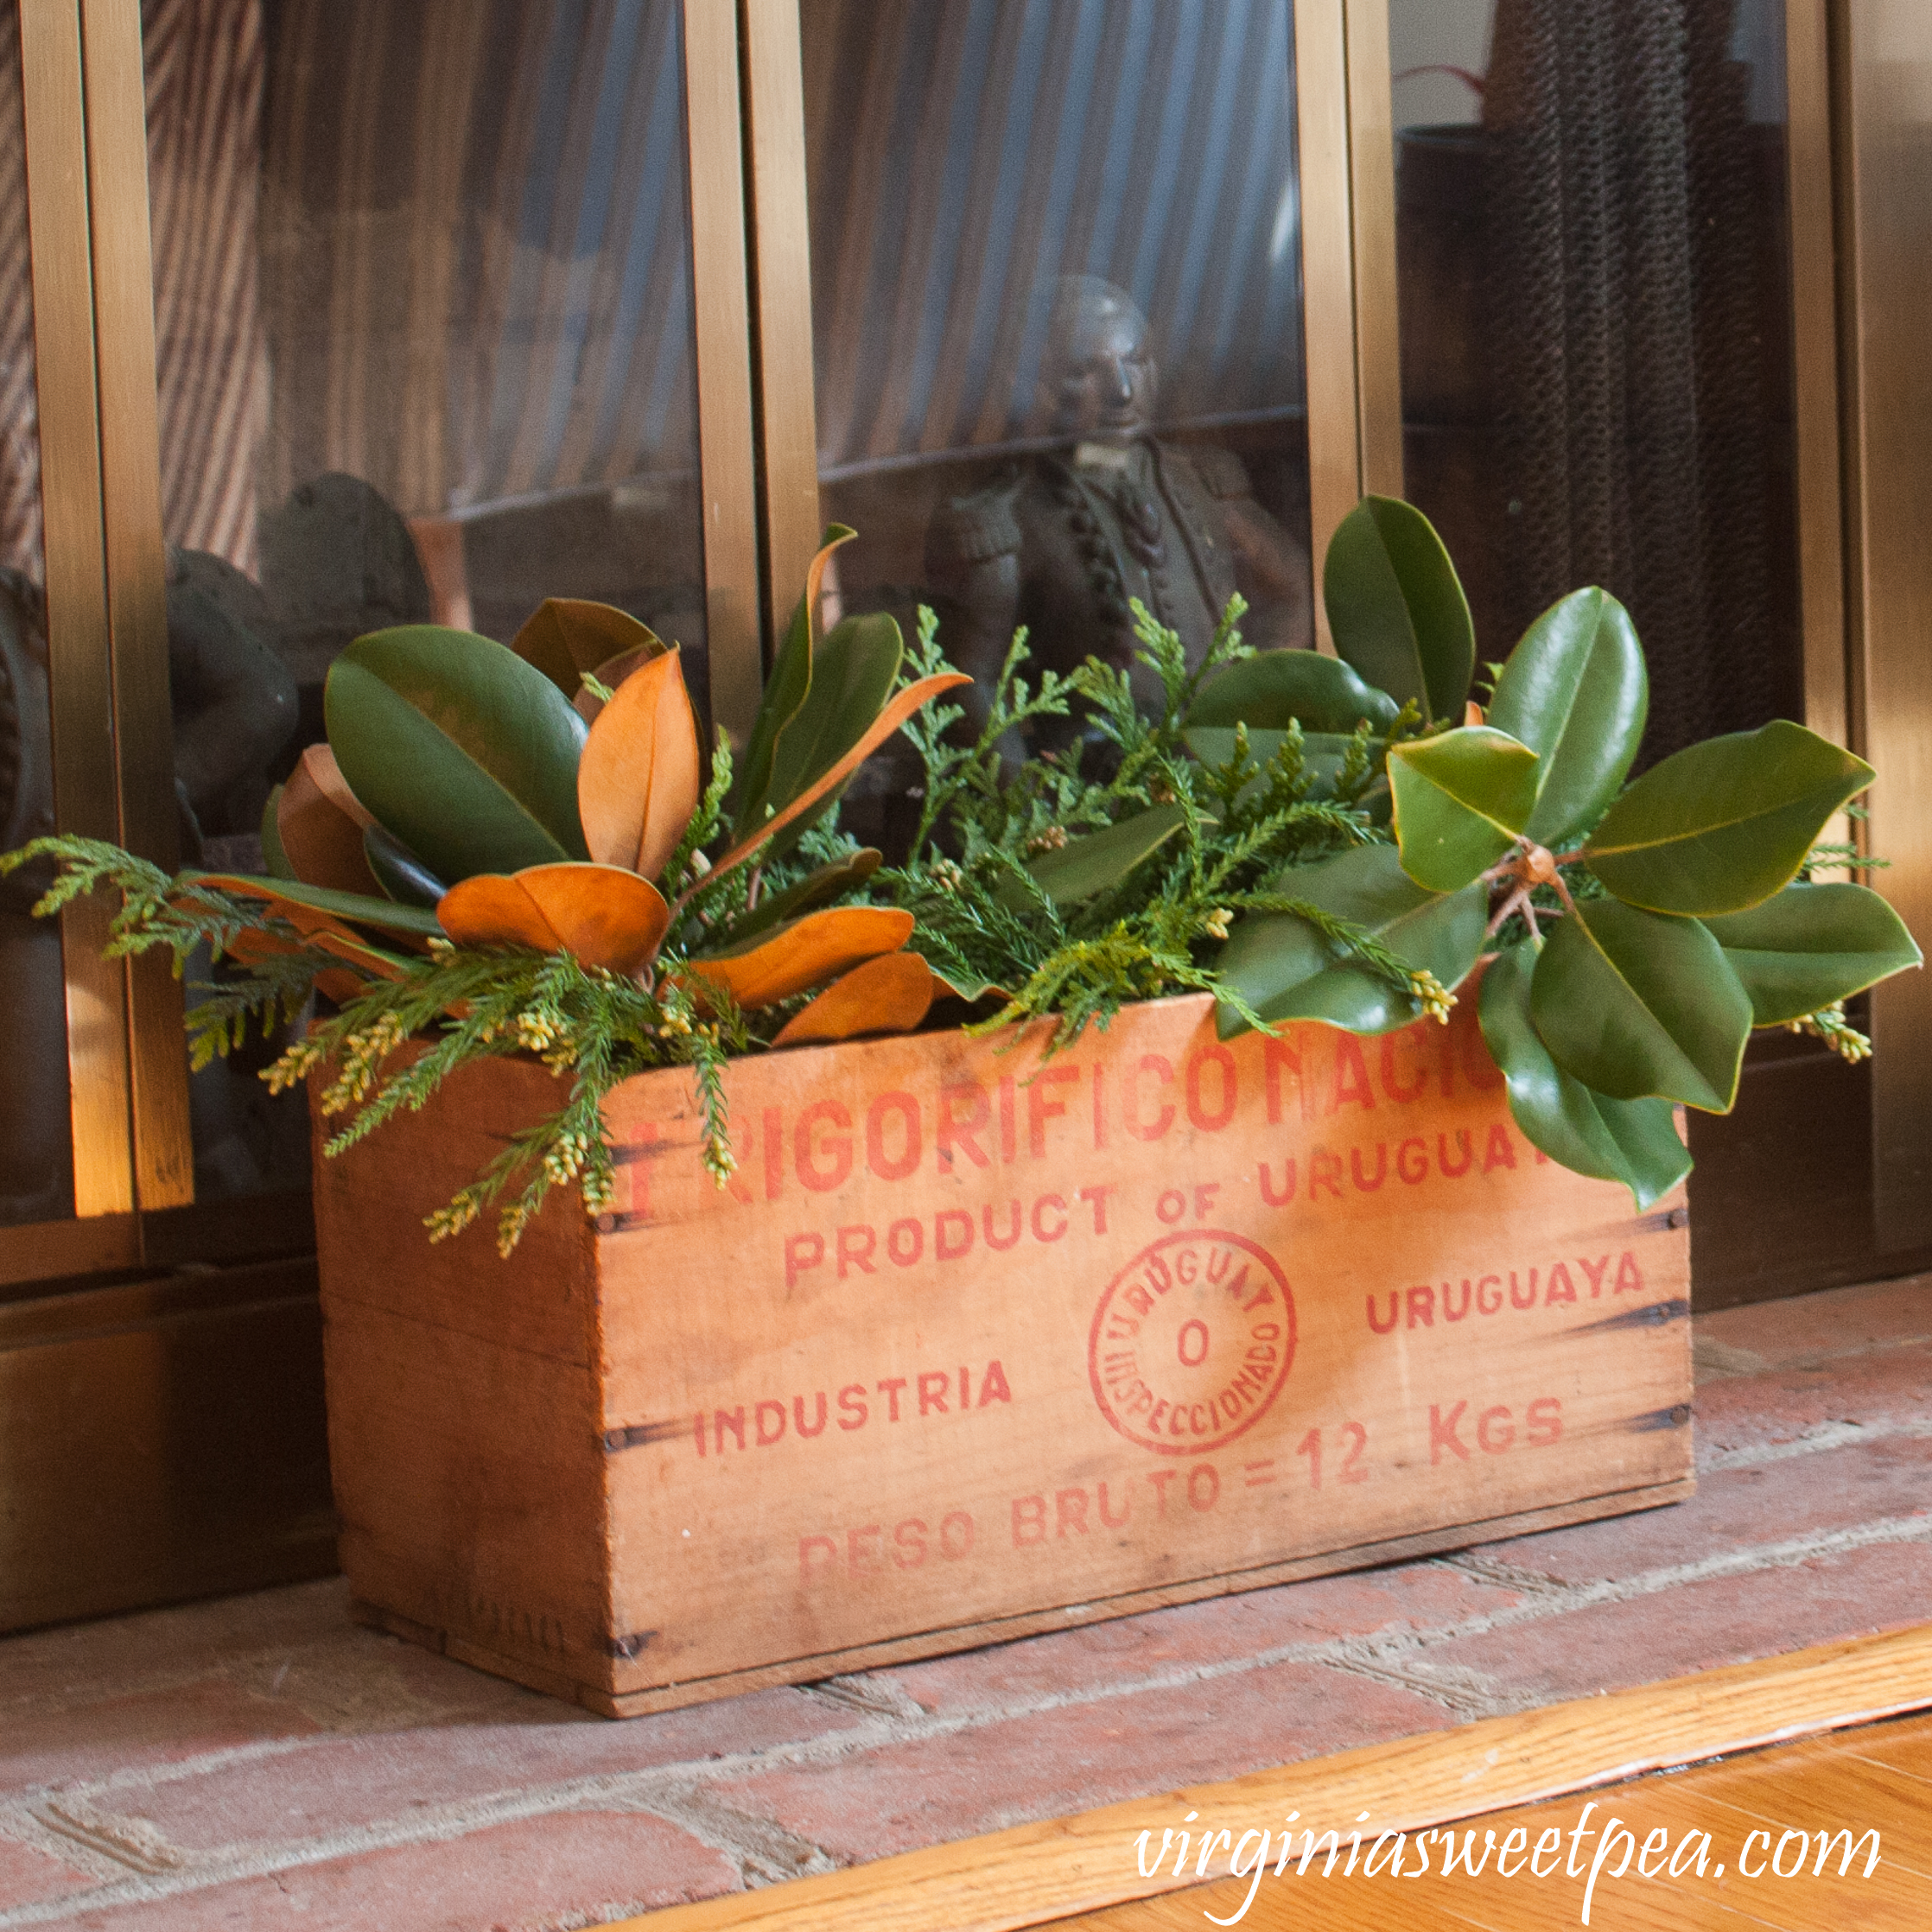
(1051, 1761)
(576, 1869)
(1830, 1489)
(134, 1653)
(90, 1740)
(336, 1783)
(1841, 1321)
(28, 1876)
(1699, 1626)
(1890, 1385)
(1417, 1597)
(296, 1645)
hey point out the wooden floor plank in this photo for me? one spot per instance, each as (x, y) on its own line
(1849, 1794)
(1843, 1782)
(1035, 1875)
(1905, 1748)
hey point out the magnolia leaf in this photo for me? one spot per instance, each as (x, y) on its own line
(564, 637)
(803, 954)
(1635, 1003)
(1395, 607)
(1288, 968)
(1576, 692)
(313, 908)
(828, 882)
(902, 707)
(1095, 861)
(251, 945)
(1461, 801)
(354, 950)
(890, 994)
(1723, 824)
(1273, 687)
(610, 674)
(318, 826)
(463, 751)
(274, 859)
(1809, 946)
(956, 983)
(640, 775)
(602, 915)
(1634, 1141)
(402, 875)
(853, 668)
(786, 692)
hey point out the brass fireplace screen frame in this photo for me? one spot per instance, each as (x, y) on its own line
(88, 211)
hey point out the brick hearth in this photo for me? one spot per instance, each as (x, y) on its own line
(261, 1762)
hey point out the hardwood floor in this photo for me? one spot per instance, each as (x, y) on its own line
(1875, 1779)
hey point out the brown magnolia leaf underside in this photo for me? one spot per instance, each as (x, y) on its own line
(604, 915)
(564, 637)
(610, 674)
(806, 953)
(890, 994)
(320, 824)
(639, 775)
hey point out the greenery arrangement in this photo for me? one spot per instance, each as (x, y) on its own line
(518, 850)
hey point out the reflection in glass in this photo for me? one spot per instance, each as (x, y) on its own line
(1593, 239)
(1057, 314)
(36, 1160)
(423, 334)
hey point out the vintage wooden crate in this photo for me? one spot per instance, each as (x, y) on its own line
(977, 1344)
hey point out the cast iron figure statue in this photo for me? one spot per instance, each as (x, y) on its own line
(1063, 542)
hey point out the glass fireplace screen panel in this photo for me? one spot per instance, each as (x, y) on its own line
(424, 334)
(37, 1151)
(1057, 315)
(1593, 249)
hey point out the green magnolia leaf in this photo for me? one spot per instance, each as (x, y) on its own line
(463, 751)
(1634, 1141)
(1810, 945)
(971, 988)
(1461, 800)
(786, 692)
(357, 908)
(273, 856)
(816, 889)
(564, 637)
(1634, 1003)
(1396, 608)
(1723, 824)
(398, 871)
(1275, 687)
(1095, 861)
(855, 667)
(1576, 692)
(1288, 968)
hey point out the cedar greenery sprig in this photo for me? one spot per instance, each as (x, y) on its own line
(1000, 900)
(1339, 839)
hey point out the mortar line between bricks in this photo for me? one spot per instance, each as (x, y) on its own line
(637, 1789)
(1819, 1439)
(1815, 1440)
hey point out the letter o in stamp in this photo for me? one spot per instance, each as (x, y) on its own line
(1191, 1341)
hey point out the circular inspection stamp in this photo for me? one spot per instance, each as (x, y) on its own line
(1191, 1341)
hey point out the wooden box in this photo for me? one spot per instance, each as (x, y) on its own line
(978, 1343)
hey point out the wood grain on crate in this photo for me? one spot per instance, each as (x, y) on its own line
(977, 1338)
(1034, 1875)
